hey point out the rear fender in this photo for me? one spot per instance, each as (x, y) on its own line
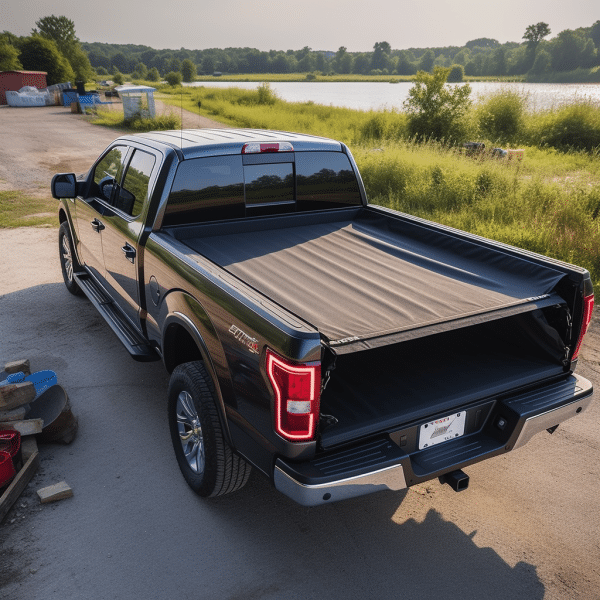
(186, 312)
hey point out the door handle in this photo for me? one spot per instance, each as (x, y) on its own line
(129, 252)
(97, 225)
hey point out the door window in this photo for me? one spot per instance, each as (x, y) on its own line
(108, 172)
(134, 190)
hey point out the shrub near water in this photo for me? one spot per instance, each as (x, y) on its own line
(575, 126)
(501, 116)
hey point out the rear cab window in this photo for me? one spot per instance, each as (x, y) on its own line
(230, 187)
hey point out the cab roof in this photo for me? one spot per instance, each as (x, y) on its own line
(193, 143)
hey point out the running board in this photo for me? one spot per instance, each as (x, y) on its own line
(135, 344)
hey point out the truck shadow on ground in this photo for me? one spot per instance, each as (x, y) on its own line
(368, 546)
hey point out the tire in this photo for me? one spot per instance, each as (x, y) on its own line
(206, 460)
(68, 261)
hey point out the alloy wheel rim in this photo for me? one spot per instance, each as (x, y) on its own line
(67, 259)
(190, 432)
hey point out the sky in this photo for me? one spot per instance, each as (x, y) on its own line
(285, 24)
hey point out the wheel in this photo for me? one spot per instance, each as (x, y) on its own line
(68, 262)
(206, 460)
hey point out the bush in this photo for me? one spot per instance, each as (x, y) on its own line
(101, 71)
(457, 74)
(153, 74)
(501, 116)
(266, 95)
(575, 126)
(173, 78)
(118, 78)
(435, 110)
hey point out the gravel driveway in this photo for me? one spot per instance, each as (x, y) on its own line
(527, 528)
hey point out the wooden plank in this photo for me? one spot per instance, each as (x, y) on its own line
(18, 484)
(26, 427)
(52, 493)
(13, 395)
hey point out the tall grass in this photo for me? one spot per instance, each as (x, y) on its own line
(548, 203)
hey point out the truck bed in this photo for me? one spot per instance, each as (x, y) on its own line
(366, 278)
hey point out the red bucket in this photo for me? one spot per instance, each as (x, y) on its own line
(7, 468)
(10, 441)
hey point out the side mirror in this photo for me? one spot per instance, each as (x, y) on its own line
(64, 185)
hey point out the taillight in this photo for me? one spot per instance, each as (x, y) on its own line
(297, 390)
(258, 148)
(588, 307)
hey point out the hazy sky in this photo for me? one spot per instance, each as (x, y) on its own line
(285, 24)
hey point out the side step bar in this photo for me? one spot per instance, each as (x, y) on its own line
(135, 344)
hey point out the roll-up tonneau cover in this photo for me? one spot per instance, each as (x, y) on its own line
(374, 279)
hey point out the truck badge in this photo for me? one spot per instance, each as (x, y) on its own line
(250, 342)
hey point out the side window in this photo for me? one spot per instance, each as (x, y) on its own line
(107, 172)
(134, 191)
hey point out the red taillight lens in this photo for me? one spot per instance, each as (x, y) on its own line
(297, 390)
(588, 307)
(258, 147)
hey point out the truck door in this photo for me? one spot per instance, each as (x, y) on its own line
(123, 227)
(90, 211)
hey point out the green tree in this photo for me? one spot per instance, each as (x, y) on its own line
(153, 74)
(119, 61)
(381, 55)
(457, 74)
(173, 78)
(306, 63)
(188, 70)
(140, 71)
(208, 65)
(542, 63)
(567, 50)
(595, 34)
(9, 57)
(117, 77)
(41, 54)
(436, 110)
(534, 34)
(61, 31)
(405, 66)
(427, 60)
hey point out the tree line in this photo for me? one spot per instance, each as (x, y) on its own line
(54, 47)
(569, 50)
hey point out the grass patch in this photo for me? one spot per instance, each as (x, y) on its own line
(117, 120)
(20, 210)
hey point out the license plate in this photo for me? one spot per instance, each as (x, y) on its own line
(442, 430)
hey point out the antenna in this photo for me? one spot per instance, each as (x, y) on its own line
(181, 122)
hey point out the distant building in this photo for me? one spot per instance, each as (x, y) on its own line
(13, 81)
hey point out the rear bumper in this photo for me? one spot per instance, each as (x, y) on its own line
(394, 462)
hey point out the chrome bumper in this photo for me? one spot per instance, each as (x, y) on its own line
(550, 419)
(390, 478)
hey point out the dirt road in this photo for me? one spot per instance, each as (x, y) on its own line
(527, 528)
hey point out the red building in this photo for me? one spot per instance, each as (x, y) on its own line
(13, 81)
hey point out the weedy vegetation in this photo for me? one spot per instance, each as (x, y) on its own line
(413, 160)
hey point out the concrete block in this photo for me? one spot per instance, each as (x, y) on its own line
(58, 491)
(14, 395)
(18, 365)
(15, 414)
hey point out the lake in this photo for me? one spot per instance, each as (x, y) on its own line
(366, 95)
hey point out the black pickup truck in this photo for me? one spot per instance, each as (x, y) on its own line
(338, 347)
